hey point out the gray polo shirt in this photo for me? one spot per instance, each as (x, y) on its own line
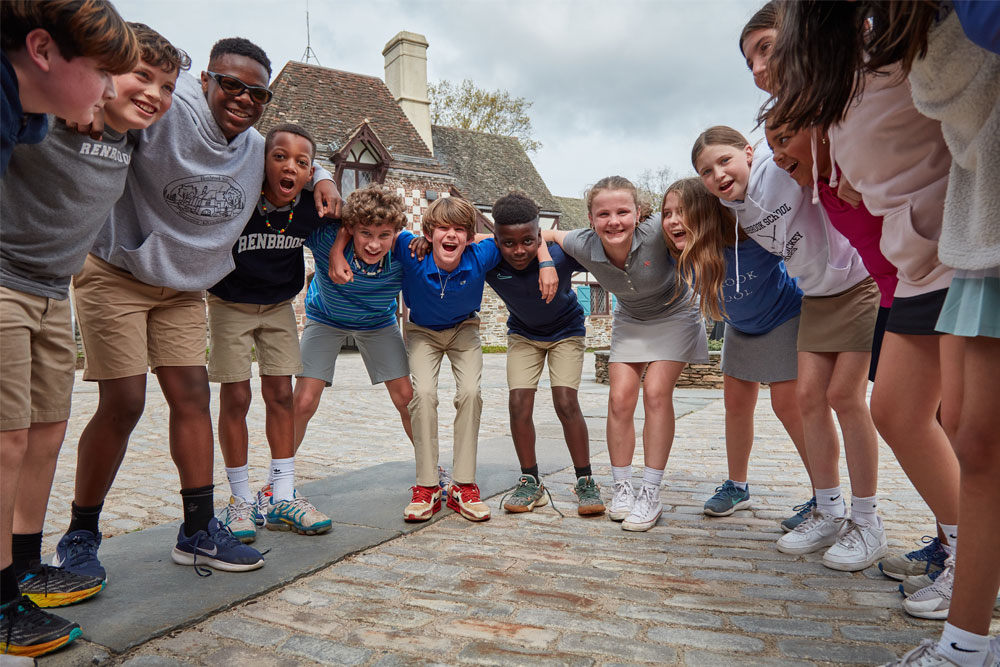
(646, 288)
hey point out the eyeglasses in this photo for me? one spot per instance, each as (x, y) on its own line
(234, 88)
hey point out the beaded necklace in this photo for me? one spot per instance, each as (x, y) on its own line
(288, 223)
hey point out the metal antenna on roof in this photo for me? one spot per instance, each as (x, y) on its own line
(309, 53)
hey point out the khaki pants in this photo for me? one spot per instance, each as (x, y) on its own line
(426, 348)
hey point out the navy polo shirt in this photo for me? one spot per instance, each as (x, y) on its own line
(16, 127)
(530, 316)
(438, 299)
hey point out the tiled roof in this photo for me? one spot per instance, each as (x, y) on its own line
(332, 103)
(574, 213)
(487, 166)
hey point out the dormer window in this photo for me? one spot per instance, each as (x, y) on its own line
(361, 161)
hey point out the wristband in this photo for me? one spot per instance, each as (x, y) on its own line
(546, 264)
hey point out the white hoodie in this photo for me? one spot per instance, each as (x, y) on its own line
(779, 215)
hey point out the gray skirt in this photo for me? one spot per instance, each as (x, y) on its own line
(678, 337)
(766, 357)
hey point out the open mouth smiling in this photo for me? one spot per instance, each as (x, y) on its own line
(147, 109)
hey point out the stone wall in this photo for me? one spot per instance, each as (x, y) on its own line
(698, 376)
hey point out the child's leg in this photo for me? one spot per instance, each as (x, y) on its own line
(319, 348)
(279, 420)
(525, 361)
(35, 481)
(521, 405)
(785, 404)
(425, 354)
(565, 359)
(13, 445)
(657, 401)
(846, 395)
(384, 355)
(234, 404)
(401, 394)
(740, 397)
(465, 352)
(186, 391)
(624, 380)
(822, 444)
(305, 399)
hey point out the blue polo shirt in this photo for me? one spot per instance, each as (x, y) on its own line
(438, 299)
(768, 296)
(530, 316)
(16, 127)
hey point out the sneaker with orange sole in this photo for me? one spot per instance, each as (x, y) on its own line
(464, 499)
(424, 504)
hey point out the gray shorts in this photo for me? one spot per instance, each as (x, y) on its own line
(381, 349)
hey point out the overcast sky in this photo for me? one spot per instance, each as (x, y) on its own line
(618, 86)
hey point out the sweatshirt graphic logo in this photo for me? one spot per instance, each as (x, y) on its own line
(210, 199)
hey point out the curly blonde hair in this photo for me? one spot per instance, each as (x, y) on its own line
(374, 205)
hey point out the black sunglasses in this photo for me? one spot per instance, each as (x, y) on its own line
(234, 88)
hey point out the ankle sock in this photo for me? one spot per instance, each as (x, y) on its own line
(950, 535)
(283, 484)
(199, 508)
(621, 473)
(831, 502)
(85, 517)
(583, 472)
(864, 510)
(742, 486)
(962, 647)
(533, 471)
(239, 481)
(9, 590)
(26, 550)
(652, 477)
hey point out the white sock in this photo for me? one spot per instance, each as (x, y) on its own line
(742, 486)
(864, 510)
(283, 475)
(239, 481)
(950, 536)
(963, 648)
(652, 477)
(621, 473)
(831, 502)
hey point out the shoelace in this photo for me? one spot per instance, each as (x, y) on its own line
(726, 491)
(623, 488)
(645, 500)
(812, 520)
(77, 552)
(928, 552)
(422, 494)
(922, 654)
(521, 491)
(850, 532)
(21, 608)
(805, 507)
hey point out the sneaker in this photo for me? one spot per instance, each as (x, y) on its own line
(464, 499)
(801, 512)
(298, 515)
(588, 495)
(817, 531)
(925, 655)
(49, 586)
(263, 502)
(28, 631)
(77, 552)
(216, 548)
(913, 584)
(425, 503)
(933, 601)
(241, 517)
(622, 500)
(444, 481)
(529, 494)
(922, 561)
(727, 499)
(646, 511)
(858, 546)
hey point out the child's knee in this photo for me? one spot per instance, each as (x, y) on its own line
(977, 450)
(277, 395)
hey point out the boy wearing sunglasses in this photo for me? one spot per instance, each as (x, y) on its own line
(193, 184)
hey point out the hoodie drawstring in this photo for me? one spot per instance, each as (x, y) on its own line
(736, 250)
(815, 167)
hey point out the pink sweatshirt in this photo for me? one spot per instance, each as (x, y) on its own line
(864, 231)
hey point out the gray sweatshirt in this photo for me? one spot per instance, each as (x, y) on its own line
(56, 196)
(188, 196)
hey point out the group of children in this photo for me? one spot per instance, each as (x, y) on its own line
(861, 246)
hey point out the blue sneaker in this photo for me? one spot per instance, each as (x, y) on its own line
(727, 499)
(216, 548)
(927, 560)
(801, 512)
(77, 553)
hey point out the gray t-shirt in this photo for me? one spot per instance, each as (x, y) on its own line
(56, 196)
(646, 288)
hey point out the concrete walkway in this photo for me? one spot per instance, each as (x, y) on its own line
(519, 589)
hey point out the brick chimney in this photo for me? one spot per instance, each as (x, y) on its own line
(406, 77)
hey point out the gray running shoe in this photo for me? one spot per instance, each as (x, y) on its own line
(727, 499)
(529, 494)
(921, 561)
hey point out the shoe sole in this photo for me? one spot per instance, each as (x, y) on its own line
(100, 574)
(590, 510)
(798, 551)
(518, 509)
(619, 516)
(245, 536)
(36, 650)
(856, 567)
(900, 576)
(742, 505)
(641, 527)
(64, 599)
(933, 614)
(465, 513)
(317, 529)
(427, 516)
(184, 558)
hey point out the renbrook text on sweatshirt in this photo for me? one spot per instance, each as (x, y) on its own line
(268, 242)
(99, 149)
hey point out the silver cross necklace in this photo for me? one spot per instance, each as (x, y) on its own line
(444, 284)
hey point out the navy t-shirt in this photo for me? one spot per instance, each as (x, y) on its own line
(767, 296)
(270, 267)
(530, 316)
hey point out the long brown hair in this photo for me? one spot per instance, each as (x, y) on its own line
(711, 228)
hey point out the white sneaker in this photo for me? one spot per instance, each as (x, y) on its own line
(817, 531)
(240, 516)
(646, 511)
(934, 600)
(925, 655)
(622, 501)
(859, 545)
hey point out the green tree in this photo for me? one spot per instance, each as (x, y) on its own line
(471, 108)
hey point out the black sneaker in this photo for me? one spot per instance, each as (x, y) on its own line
(27, 630)
(49, 586)
(217, 548)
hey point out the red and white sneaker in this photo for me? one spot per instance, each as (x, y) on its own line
(426, 502)
(464, 499)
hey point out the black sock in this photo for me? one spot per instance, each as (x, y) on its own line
(533, 471)
(9, 590)
(583, 472)
(85, 518)
(27, 551)
(199, 508)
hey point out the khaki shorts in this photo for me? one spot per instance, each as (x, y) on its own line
(128, 326)
(37, 359)
(526, 357)
(235, 328)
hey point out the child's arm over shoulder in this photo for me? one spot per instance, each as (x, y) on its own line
(554, 236)
(340, 272)
(548, 277)
(325, 192)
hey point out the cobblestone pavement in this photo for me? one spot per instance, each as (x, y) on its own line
(537, 588)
